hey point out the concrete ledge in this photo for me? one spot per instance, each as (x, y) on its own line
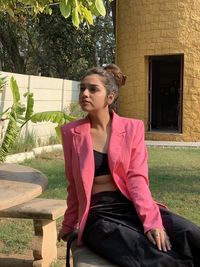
(39, 150)
(20, 157)
(173, 144)
(84, 257)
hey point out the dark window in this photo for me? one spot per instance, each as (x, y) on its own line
(165, 93)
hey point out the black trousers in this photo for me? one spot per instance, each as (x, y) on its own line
(114, 231)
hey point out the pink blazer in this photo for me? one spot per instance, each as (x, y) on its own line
(127, 158)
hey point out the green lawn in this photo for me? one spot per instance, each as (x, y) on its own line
(174, 180)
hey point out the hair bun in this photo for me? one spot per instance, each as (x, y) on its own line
(117, 74)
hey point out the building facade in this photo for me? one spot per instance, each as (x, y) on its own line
(158, 48)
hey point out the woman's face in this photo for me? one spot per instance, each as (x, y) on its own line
(93, 94)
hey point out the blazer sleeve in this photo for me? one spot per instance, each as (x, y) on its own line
(70, 221)
(138, 183)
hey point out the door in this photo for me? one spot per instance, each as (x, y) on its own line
(165, 93)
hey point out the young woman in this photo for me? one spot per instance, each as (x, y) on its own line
(109, 202)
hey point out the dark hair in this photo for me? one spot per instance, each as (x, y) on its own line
(119, 77)
(113, 79)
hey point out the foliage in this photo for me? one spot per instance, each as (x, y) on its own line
(63, 52)
(2, 83)
(66, 53)
(18, 115)
(14, 115)
(79, 10)
(50, 46)
(10, 40)
(58, 117)
(24, 143)
(102, 34)
(30, 141)
(74, 110)
(52, 116)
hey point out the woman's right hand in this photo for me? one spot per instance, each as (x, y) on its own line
(66, 236)
(159, 238)
(62, 235)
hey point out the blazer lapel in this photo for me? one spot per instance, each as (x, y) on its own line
(85, 155)
(84, 148)
(116, 140)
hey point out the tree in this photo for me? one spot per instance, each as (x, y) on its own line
(50, 45)
(10, 42)
(66, 53)
(79, 10)
(18, 55)
(103, 37)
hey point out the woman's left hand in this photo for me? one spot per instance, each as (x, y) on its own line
(159, 238)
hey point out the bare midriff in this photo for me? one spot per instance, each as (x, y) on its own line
(103, 183)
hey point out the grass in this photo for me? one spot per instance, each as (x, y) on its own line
(15, 235)
(174, 180)
(52, 166)
(30, 141)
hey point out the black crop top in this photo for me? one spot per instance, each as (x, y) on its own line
(101, 163)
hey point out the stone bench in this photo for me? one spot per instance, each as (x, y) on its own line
(44, 213)
(84, 257)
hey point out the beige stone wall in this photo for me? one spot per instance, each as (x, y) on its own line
(154, 27)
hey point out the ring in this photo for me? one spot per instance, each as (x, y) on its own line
(157, 235)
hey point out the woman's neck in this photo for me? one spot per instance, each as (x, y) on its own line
(100, 120)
